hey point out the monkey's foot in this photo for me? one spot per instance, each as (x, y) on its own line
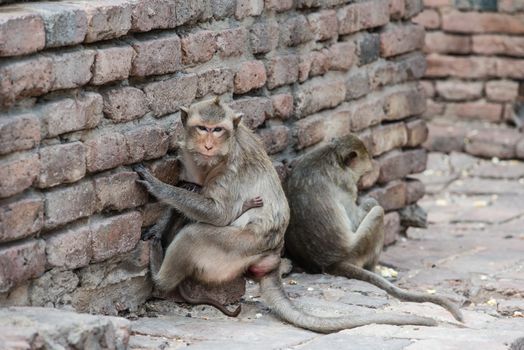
(207, 301)
(150, 233)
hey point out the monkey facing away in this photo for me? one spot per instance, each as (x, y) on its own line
(328, 231)
(218, 245)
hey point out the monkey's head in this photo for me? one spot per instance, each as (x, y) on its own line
(209, 129)
(350, 152)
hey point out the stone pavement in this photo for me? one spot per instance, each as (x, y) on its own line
(472, 251)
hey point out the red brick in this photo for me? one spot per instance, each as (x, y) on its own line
(312, 64)
(510, 5)
(198, 47)
(282, 105)
(397, 9)
(309, 131)
(246, 8)
(323, 24)
(146, 142)
(415, 190)
(255, 110)
(357, 84)
(282, 70)
(413, 8)
(473, 22)
(21, 218)
(223, 8)
(232, 42)
(390, 197)
(80, 199)
(124, 103)
(263, 36)
(429, 19)
(66, 115)
(20, 262)
(18, 133)
(429, 88)
(457, 90)
(63, 163)
(115, 235)
(250, 75)
(392, 228)
(175, 132)
(17, 174)
(439, 42)
(215, 81)
(478, 110)
(409, 67)
(279, 5)
(153, 14)
(21, 32)
(417, 132)
(460, 67)
(69, 248)
(519, 149)
(445, 138)
(493, 142)
(342, 55)
(364, 15)
(502, 90)
(408, 101)
(112, 63)
(192, 11)
(365, 113)
(275, 138)
(24, 77)
(319, 93)
(119, 191)
(370, 178)
(396, 40)
(509, 68)
(106, 151)
(168, 95)
(156, 55)
(387, 137)
(295, 30)
(498, 45)
(396, 165)
(72, 68)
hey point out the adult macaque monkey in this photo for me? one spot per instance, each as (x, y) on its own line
(328, 231)
(219, 245)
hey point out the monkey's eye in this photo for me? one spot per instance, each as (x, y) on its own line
(218, 129)
(201, 128)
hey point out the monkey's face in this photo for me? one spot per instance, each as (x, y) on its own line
(210, 142)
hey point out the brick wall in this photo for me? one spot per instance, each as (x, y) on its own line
(88, 88)
(475, 75)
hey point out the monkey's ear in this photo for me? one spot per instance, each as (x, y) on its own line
(237, 118)
(184, 112)
(350, 158)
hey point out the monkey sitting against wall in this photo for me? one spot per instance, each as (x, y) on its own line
(328, 232)
(221, 243)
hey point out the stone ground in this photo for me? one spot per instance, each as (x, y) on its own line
(472, 251)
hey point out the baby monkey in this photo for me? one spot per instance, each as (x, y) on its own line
(328, 231)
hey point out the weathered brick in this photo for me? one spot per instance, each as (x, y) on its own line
(428, 87)
(255, 110)
(473, 22)
(396, 165)
(323, 24)
(19, 133)
(439, 42)
(275, 138)
(198, 47)
(124, 103)
(313, 64)
(279, 5)
(250, 75)
(232, 42)
(406, 102)
(519, 149)
(415, 190)
(509, 68)
(510, 5)
(223, 8)
(246, 8)
(365, 113)
(429, 19)
(153, 14)
(387, 137)
(115, 235)
(460, 67)
(80, 199)
(482, 5)
(282, 105)
(477, 110)
(63, 163)
(457, 90)
(21, 218)
(319, 93)
(502, 90)
(191, 11)
(493, 142)
(146, 142)
(417, 132)
(18, 174)
(445, 138)
(342, 55)
(112, 63)
(295, 30)
(20, 262)
(152, 212)
(65, 24)
(282, 70)
(263, 36)
(396, 40)
(66, 115)
(156, 54)
(106, 151)
(364, 15)
(357, 84)
(392, 228)
(69, 248)
(318, 3)
(367, 47)
(498, 45)
(397, 9)
(438, 3)
(119, 191)
(309, 131)
(24, 77)
(168, 95)
(215, 81)
(72, 68)
(408, 67)
(390, 197)
(413, 8)
(21, 32)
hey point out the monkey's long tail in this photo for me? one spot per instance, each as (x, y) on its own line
(272, 292)
(351, 271)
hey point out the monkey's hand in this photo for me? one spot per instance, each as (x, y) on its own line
(151, 233)
(256, 202)
(367, 204)
(143, 172)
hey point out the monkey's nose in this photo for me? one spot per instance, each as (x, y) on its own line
(208, 148)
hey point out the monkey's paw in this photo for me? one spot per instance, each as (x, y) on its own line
(142, 171)
(256, 202)
(150, 233)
